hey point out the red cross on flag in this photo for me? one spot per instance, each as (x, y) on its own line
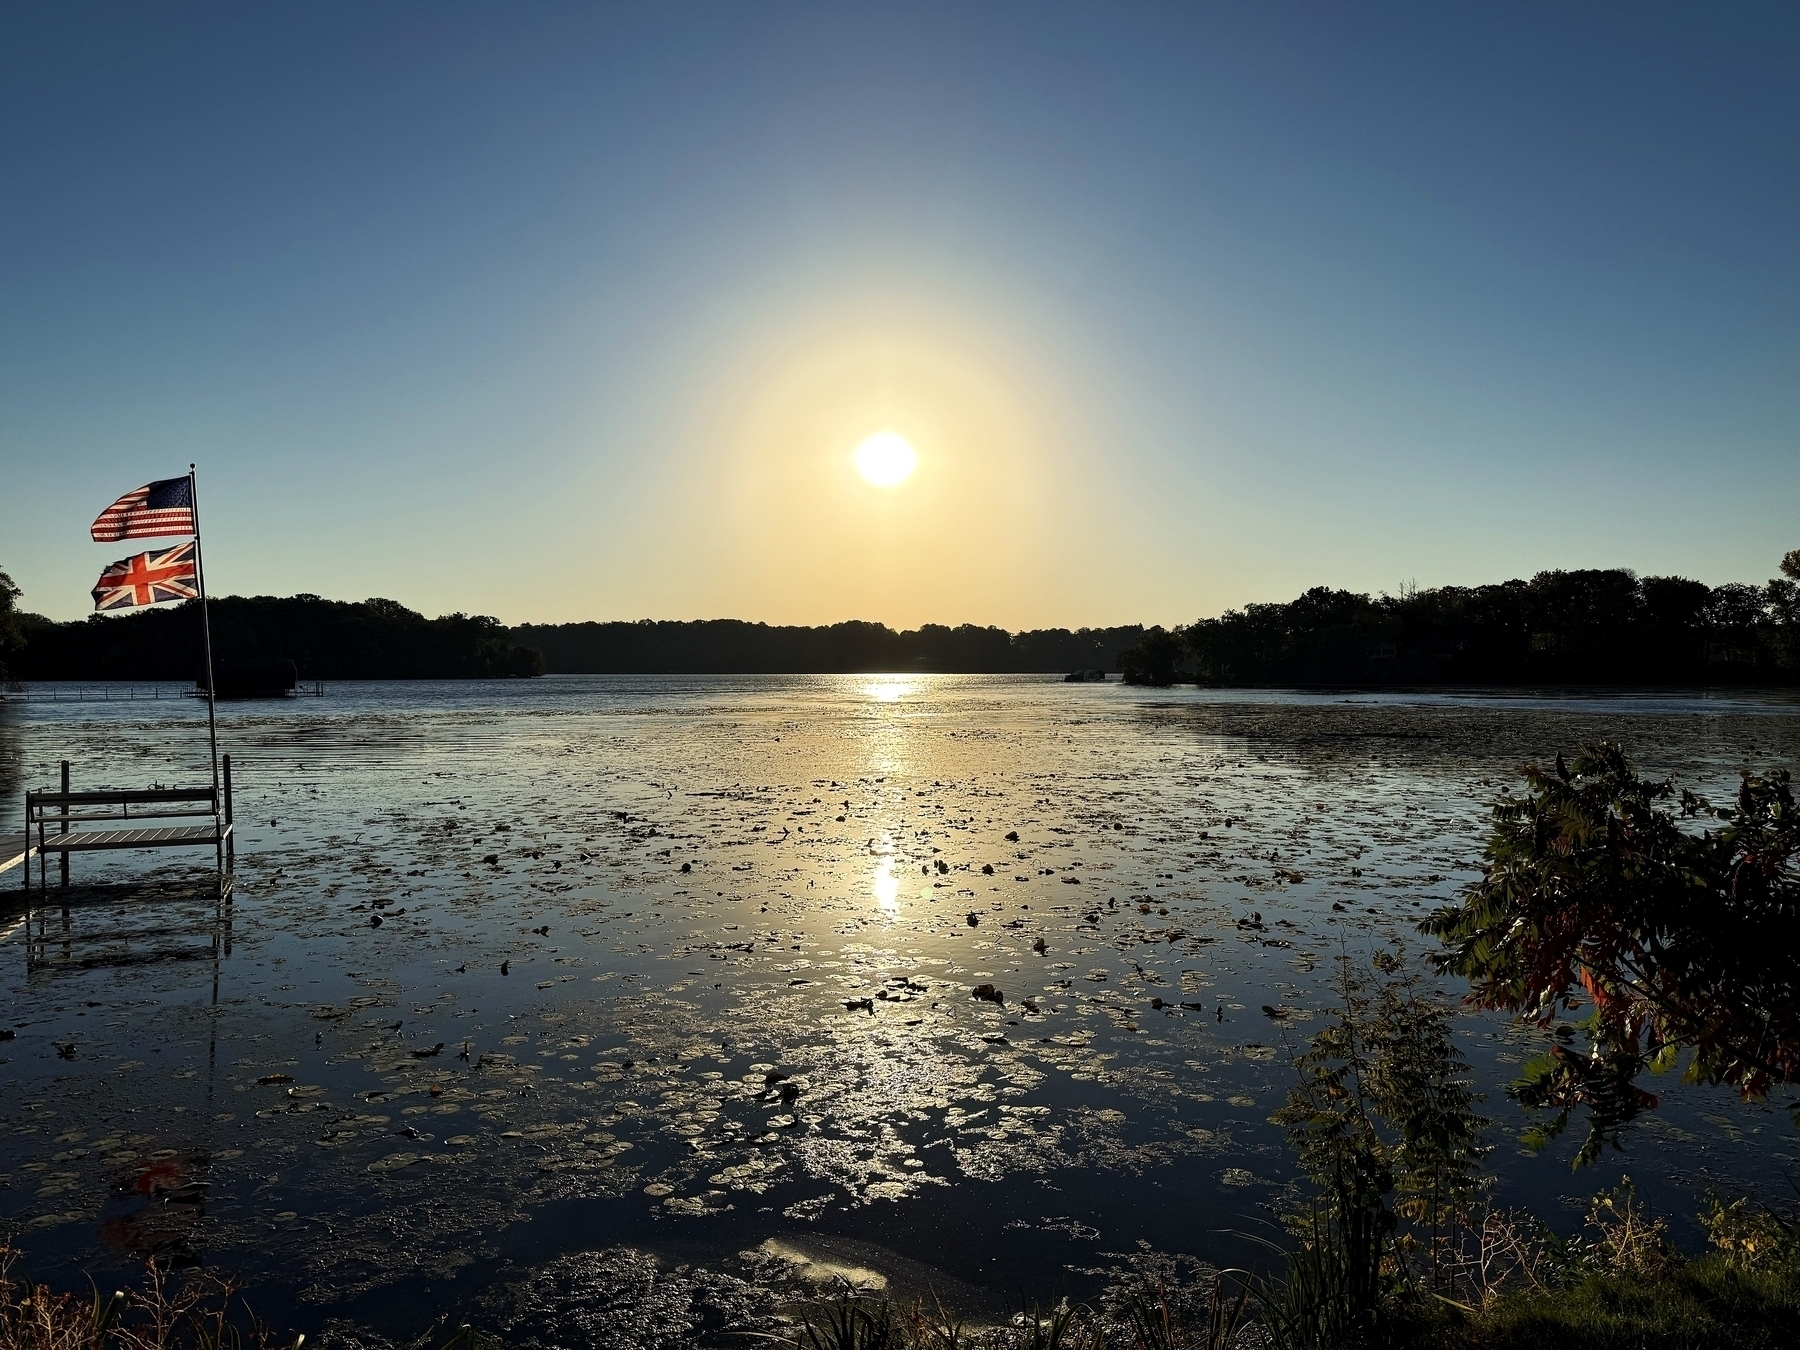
(149, 579)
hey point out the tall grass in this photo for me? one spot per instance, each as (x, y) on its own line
(192, 1313)
(1711, 1302)
(1144, 1315)
(196, 1310)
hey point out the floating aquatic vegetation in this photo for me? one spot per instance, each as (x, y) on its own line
(714, 986)
(624, 1299)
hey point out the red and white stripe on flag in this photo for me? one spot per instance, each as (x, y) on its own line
(160, 508)
(149, 579)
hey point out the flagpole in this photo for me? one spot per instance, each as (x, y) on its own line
(212, 694)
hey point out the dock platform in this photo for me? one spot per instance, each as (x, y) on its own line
(62, 823)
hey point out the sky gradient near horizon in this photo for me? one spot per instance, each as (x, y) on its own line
(561, 312)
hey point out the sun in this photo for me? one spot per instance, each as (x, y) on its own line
(886, 460)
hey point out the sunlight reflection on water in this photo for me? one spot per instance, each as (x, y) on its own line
(887, 888)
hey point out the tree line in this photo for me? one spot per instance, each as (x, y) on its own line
(382, 639)
(326, 640)
(734, 646)
(1591, 626)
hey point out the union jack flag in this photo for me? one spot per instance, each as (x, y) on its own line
(159, 508)
(149, 579)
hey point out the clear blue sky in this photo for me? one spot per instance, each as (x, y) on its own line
(558, 312)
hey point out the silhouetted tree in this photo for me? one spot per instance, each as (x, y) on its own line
(12, 631)
(1154, 659)
(1783, 613)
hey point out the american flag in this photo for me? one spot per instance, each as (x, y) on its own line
(163, 507)
(149, 578)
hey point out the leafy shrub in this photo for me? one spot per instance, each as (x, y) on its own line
(1674, 922)
(1748, 1235)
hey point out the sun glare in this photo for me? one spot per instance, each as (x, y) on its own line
(887, 888)
(886, 460)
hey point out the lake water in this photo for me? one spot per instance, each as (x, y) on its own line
(699, 953)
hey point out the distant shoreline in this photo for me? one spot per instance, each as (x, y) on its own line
(1606, 627)
(1533, 689)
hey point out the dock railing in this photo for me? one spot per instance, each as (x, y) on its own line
(50, 816)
